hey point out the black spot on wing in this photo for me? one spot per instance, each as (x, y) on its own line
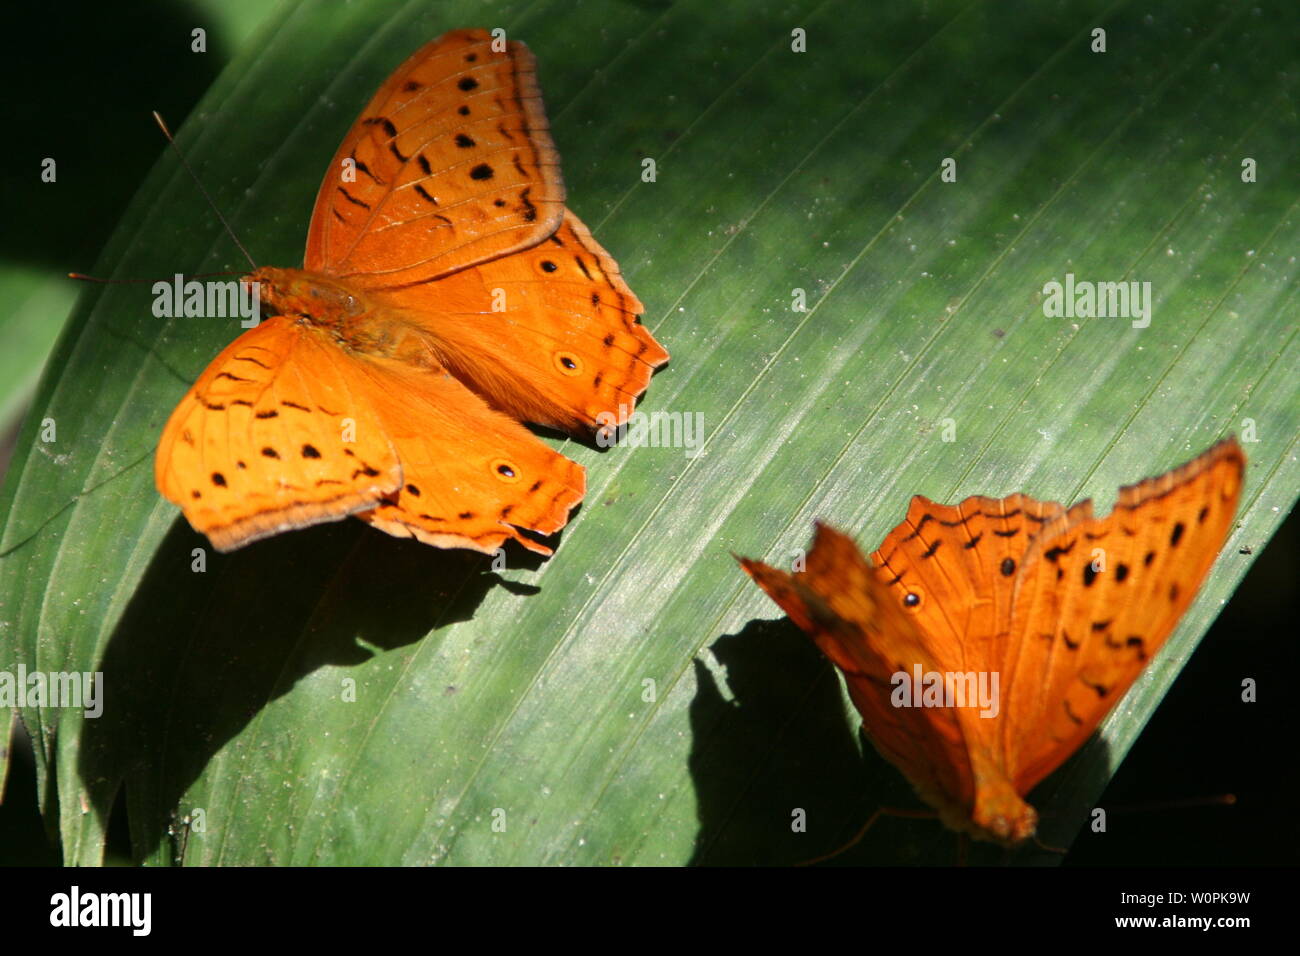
(920, 524)
(353, 199)
(384, 123)
(1054, 554)
(1101, 689)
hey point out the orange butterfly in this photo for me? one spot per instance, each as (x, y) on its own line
(447, 295)
(1054, 610)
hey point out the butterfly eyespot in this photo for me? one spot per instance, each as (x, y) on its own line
(568, 363)
(505, 471)
(547, 266)
(911, 600)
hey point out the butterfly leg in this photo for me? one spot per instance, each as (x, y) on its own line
(871, 820)
(1048, 847)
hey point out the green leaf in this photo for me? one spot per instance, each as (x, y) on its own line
(635, 699)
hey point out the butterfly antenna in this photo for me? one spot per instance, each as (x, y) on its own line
(82, 277)
(1215, 800)
(198, 182)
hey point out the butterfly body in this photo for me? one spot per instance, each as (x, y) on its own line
(359, 323)
(447, 296)
(1064, 609)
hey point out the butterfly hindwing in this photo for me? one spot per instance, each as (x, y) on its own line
(260, 444)
(549, 335)
(471, 477)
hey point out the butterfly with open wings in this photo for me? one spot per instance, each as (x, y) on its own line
(447, 295)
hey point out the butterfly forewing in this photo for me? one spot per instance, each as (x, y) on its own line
(854, 621)
(454, 215)
(450, 164)
(1098, 597)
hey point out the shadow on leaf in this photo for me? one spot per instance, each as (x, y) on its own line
(198, 655)
(786, 742)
